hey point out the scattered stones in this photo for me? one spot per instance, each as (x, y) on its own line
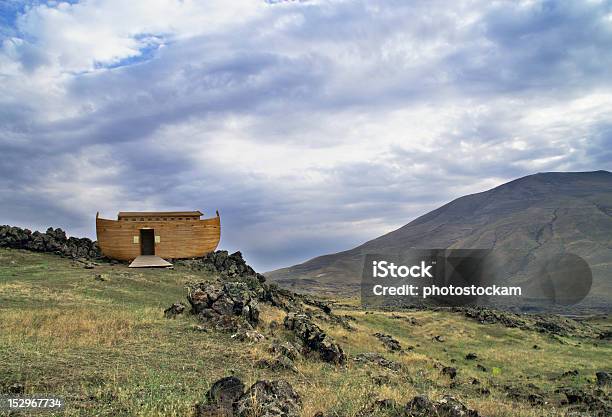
(101, 277)
(314, 338)
(226, 398)
(174, 310)
(422, 406)
(375, 358)
(571, 373)
(229, 305)
(269, 398)
(471, 356)
(603, 378)
(248, 336)
(389, 342)
(220, 398)
(52, 241)
(487, 316)
(528, 393)
(279, 363)
(605, 335)
(449, 371)
(410, 320)
(287, 349)
(221, 262)
(225, 391)
(16, 388)
(596, 402)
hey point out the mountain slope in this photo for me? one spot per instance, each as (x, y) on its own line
(524, 220)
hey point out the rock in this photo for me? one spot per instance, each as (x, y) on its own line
(449, 371)
(174, 310)
(277, 364)
(375, 358)
(603, 378)
(439, 338)
(536, 347)
(52, 241)
(228, 306)
(16, 388)
(199, 328)
(471, 356)
(529, 393)
(89, 265)
(225, 391)
(388, 341)
(222, 263)
(269, 398)
(481, 368)
(248, 336)
(605, 335)
(287, 349)
(314, 339)
(422, 406)
(488, 316)
(101, 277)
(220, 398)
(573, 372)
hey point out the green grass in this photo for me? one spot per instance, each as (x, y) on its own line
(106, 347)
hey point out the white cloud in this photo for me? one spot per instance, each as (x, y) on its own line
(312, 125)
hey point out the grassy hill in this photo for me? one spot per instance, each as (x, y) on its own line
(525, 222)
(105, 346)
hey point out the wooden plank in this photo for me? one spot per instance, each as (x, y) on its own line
(148, 261)
(178, 238)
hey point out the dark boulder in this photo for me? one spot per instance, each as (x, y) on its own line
(315, 339)
(52, 241)
(421, 406)
(604, 378)
(471, 356)
(174, 310)
(230, 305)
(269, 398)
(287, 349)
(389, 342)
(375, 358)
(449, 371)
(220, 398)
(222, 263)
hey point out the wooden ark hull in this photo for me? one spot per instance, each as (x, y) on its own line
(174, 239)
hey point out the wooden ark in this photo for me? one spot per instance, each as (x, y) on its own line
(170, 234)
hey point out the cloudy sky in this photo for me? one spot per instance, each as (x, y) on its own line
(312, 126)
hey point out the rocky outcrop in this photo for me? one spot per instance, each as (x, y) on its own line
(603, 378)
(227, 305)
(222, 263)
(52, 241)
(315, 339)
(174, 310)
(422, 406)
(375, 358)
(389, 342)
(264, 398)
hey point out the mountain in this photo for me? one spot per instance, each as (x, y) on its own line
(523, 221)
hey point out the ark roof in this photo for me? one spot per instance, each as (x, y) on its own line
(159, 213)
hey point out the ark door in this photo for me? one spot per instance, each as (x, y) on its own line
(147, 242)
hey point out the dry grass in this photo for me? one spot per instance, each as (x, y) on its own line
(108, 349)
